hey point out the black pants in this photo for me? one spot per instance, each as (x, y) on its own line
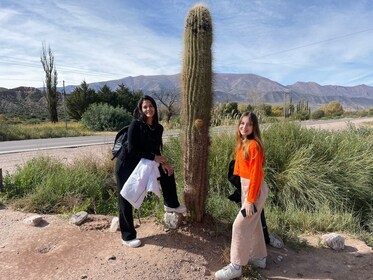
(126, 223)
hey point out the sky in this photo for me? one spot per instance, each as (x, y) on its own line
(329, 42)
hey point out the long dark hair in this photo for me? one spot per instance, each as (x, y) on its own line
(138, 114)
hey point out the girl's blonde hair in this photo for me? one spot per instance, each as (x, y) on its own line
(255, 135)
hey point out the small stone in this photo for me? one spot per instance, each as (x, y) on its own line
(79, 218)
(112, 258)
(84, 276)
(357, 254)
(172, 220)
(276, 241)
(33, 220)
(114, 226)
(334, 241)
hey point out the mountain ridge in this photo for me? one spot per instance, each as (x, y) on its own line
(228, 87)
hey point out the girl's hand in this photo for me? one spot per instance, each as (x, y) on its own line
(167, 169)
(249, 208)
(160, 159)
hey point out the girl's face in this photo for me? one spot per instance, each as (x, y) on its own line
(148, 109)
(246, 126)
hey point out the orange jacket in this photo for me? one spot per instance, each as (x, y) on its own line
(251, 168)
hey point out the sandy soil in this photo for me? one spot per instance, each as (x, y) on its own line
(59, 250)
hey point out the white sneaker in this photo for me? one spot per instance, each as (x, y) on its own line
(261, 263)
(228, 272)
(181, 209)
(132, 243)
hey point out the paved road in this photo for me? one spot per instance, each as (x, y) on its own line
(53, 143)
(9, 147)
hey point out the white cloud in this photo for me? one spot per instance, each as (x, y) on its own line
(286, 41)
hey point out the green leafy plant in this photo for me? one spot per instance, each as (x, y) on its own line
(103, 117)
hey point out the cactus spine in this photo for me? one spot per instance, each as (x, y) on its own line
(196, 102)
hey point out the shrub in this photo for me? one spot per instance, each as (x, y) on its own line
(103, 117)
(318, 114)
(44, 185)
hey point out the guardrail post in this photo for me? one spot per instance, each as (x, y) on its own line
(1, 178)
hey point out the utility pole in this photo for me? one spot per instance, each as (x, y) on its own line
(64, 102)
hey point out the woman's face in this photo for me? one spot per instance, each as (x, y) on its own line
(148, 109)
(246, 126)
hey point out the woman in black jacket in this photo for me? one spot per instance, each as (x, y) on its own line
(144, 141)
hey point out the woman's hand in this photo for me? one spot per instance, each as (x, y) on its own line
(249, 208)
(160, 159)
(167, 169)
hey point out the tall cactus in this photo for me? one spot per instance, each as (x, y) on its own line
(196, 102)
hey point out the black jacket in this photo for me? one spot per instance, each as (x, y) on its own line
(144, 141)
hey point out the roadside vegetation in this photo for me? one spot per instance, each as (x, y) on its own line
(319, 181)
(21, 131)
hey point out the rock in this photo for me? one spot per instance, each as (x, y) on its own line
(334, 241)
(275, 241)
(79, 218)
(357, 254)
(33, 220)
(112, 258)
(172, 220)
(114, 226)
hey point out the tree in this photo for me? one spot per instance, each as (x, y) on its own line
(333, 108)
(231, 110)
(79, 100)
(105, 95)
(127, 99)
(167, 97)
(47, 60)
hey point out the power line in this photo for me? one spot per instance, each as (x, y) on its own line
(314, 43)
(13, 61)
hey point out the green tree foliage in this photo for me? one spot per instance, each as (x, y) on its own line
(105, 95)
(231, 109)
(104, 117)
(79, 100)
(264, 109)
(318, 114)
(47, 60)
(127, 99)
(333, 108)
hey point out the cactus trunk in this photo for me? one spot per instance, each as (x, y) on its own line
(196, 102)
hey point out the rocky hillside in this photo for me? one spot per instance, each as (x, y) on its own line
(241, 88)
(250, 88)
(23, 101)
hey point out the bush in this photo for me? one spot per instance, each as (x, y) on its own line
(318, 114)
(103, 117)
(44, 185)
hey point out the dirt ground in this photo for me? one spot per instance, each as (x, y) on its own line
(59, 250)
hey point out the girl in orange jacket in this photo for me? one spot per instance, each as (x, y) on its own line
(248, 243)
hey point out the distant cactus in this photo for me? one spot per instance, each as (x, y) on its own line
(196, 103)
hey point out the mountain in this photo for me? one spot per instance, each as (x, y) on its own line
(23, 101)
(240, 88)
(254, 89)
